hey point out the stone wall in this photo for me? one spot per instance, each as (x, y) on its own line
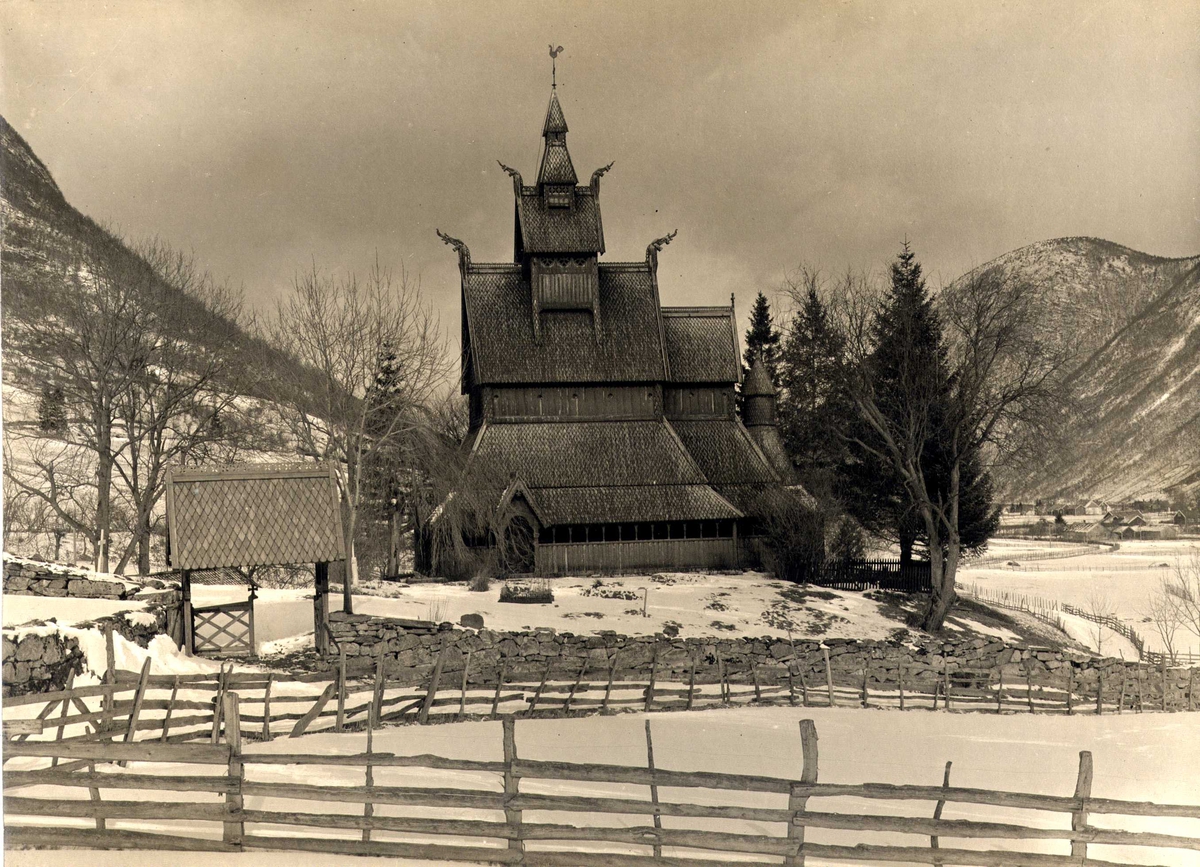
(409, 649)
(39, 663)
(35, 578)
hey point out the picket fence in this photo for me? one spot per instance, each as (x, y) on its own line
(206, 811)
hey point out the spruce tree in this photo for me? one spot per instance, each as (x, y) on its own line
(909, 359)
(811, 404)
(762, 337)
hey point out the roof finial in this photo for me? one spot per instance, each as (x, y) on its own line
(554, 52)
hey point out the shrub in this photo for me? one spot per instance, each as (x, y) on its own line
(481, 581)
(794, 541)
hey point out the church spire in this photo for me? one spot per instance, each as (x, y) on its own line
(556, 172)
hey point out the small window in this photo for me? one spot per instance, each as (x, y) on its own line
(558, 197)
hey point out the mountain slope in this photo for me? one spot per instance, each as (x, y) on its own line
(1131, 324)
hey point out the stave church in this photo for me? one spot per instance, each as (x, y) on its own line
(604, 425)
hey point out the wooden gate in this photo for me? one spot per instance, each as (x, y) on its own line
(223, 630)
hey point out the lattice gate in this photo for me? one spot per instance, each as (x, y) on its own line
(223, 630)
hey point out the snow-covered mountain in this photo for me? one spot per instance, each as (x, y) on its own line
(1130, 323)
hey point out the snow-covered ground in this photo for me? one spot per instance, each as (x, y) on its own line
(699, 604)
(1136, 757)
(1121, 581)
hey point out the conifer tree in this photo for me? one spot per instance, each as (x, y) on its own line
(762, 337)
(811, 408)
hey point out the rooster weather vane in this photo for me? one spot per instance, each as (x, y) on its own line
(554, 52)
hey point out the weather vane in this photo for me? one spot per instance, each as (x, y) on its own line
(554, 52)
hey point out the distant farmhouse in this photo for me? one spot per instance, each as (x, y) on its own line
(603, 424)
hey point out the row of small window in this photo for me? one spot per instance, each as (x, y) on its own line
(645, 531)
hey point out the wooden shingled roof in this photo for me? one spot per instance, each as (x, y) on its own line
(253, 515)
(543, 229)
(504, 349)
(701, 344)
(634, 471)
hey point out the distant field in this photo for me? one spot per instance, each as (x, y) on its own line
(1124, 579)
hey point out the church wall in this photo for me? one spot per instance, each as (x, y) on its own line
(583, 401)
(698, 400)
(573, 558)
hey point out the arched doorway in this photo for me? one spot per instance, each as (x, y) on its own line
(516, 548)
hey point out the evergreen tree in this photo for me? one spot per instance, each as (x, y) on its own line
(762, 337)
(909, 359)
(811, 405)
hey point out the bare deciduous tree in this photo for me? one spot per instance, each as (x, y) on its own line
(997, 387)
(339, 331)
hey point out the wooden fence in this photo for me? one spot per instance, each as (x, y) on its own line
(483, 815)
(133, 706)
(1047, 611)
(876, 574)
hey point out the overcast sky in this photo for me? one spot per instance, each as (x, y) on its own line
(265, 136)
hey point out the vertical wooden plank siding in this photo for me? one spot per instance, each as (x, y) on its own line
(563, 558)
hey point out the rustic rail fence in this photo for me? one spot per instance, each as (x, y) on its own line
(1047, 610)
(138, 706)
(484, 814)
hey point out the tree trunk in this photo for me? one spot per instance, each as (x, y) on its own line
(907, 540)
(943, 564)
(104, 469)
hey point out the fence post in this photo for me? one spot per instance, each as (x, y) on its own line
(757, 685)
(864, 684)
(110, 675)
(1029, 686)
(653, 677)
(431, 693)
(575, 686)
(612, 670)
(1083, 791)
(66, 710)
(803, 687)
(462, 696)
(499, 686)
(900, 671)
(946, 691)
(94, 794)
(653, 789)
(234, 828)
(511, 786)
(377, 694)
(369, 780)
(341, 705)
(1070, 688)
(218, 705)
(828, 675)
(1000, 690)
(796, 801)
(1124, 681)
(1163, 680)
(136, 711)
(267, 708)
(1099, 691)
(538, 692)
(692, 682)
(170, 707)
(1191, 687)
(937, 811)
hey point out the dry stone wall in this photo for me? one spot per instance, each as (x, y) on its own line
(34, 578)
(39, 663)
(410, 648)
